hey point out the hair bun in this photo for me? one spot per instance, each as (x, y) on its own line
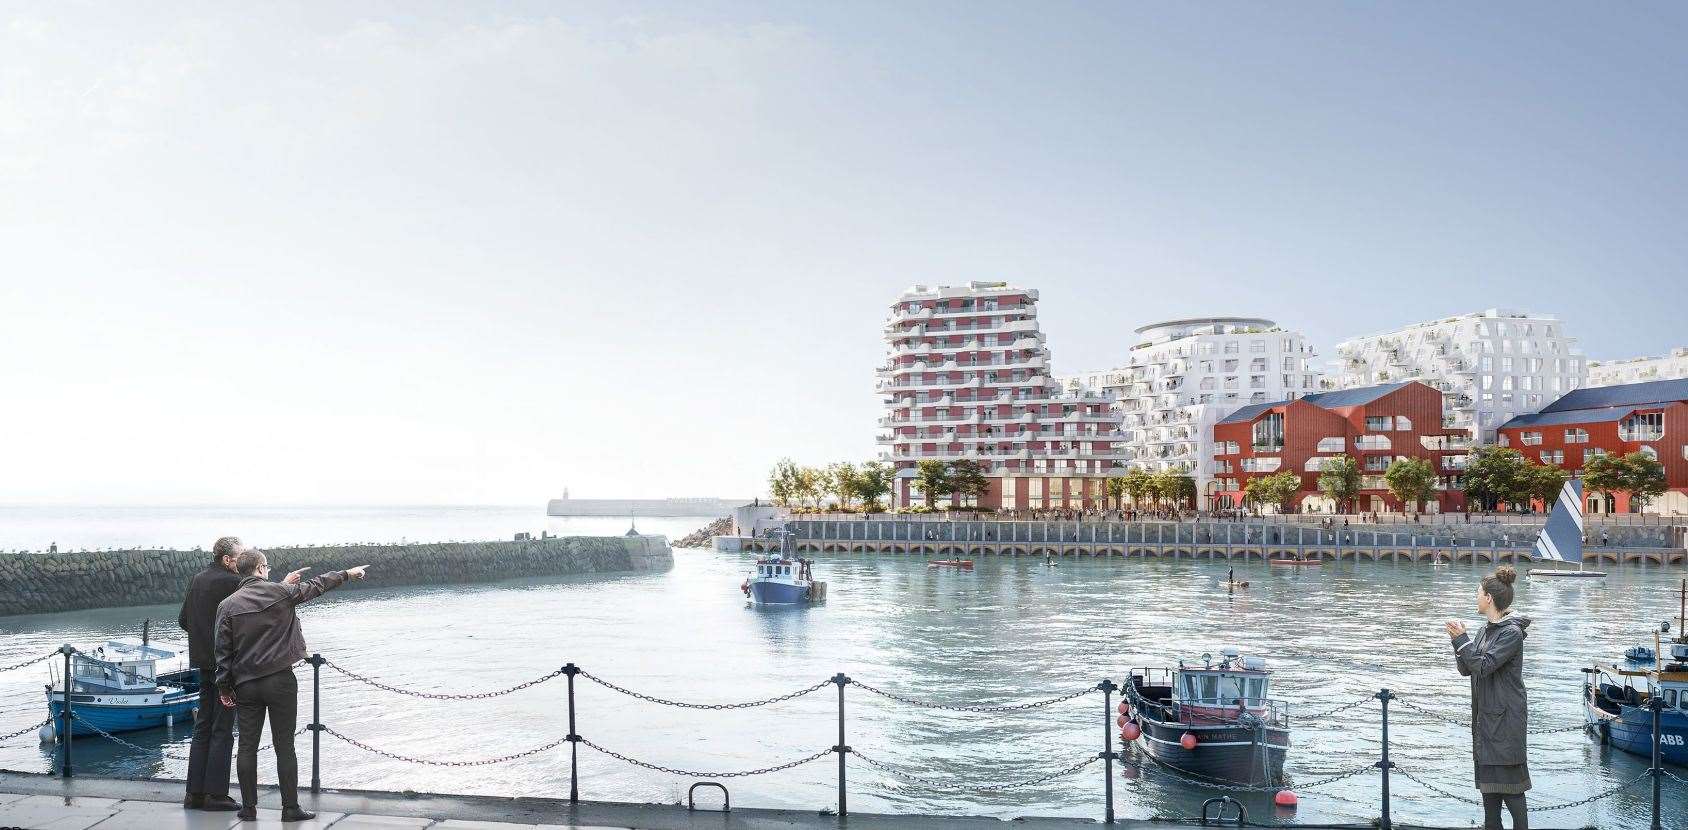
(1506, 574)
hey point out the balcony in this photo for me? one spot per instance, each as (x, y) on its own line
(1270, 447)
(1262, 465)
(1640, 434)
(1373, 443)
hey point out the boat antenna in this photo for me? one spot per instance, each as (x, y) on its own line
(145, 632)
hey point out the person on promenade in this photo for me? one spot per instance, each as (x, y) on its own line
(258, 642)
(213, 723)
(1494, 661)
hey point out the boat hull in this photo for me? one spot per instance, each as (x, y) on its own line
(1235, 754)
(778, 593)
(1631, 730)
(111, 712)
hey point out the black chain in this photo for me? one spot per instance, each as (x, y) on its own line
(30, 662)
(1674, 777)
(1534, 809)
(138, 748)
(984, 709)
(438, 695)
(685, 773)
(941, 784)
(1544, 730)
(433, 763)
(25, 730)
(1338, 710)
(684, 705)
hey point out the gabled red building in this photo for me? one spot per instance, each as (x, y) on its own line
(1374, 425)
(1650, 418)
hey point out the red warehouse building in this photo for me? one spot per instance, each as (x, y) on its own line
(1374, 425)
(1649, 418)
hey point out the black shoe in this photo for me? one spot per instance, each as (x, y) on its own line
(296, 814)
(193, 801)
(220, 804)
(247, 814)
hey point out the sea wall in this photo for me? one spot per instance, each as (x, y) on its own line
(33, 583)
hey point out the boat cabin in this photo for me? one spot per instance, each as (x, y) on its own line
(1233, 680)
(118, 667)
(780, 567)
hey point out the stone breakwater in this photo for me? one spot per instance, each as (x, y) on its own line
(34, 583)
(701, 537)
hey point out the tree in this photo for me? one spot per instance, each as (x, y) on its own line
(1277, 489)
(1412, 480)
(1139, 484)
(1638, 474)
(1116, 490)
(843, 481)
(967, 479)
(812, 486)
(873, 482)
(1174, 486)
(783, 482)
(1544, 482)
(932, 476)
(1340, 480)
(1494, 475)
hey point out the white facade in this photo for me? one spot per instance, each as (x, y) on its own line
(1491, 365)
(967, 377)
(1673, 366)
(1182, 376)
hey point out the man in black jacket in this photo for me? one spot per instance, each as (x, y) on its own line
(258, 642)
(213, 723)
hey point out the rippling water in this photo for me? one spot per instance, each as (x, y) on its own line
(1011, 631)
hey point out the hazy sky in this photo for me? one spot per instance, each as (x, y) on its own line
(473, 253)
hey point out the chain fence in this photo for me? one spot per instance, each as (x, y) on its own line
(1321, 715)
(685, 773)
(30, 662)
(1017, 707)
(1466, 724)
(712, 706)
(411, 759)
(387, 687)
(947, 784)
(138, 748)
(1535, 807)
(24, 731)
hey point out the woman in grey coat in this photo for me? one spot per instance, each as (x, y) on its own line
(1494, 661)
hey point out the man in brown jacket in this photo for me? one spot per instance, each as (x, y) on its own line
(258, 642)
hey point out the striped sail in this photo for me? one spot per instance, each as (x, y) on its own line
(1561, 538)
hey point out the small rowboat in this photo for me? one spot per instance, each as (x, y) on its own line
(964, 564)
(1310, 563)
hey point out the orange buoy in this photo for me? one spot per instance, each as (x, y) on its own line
(1122, 721)
(1122, 707)
(1285, 798)
(1188, 741)
(1130, 731)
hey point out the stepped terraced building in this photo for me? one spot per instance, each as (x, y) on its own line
(967, 377)
(1489, 366)
(1673, 366)
(1183, 376)
(1650, 418)
(1374, 425)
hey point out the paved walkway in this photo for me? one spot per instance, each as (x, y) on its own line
(42, 802)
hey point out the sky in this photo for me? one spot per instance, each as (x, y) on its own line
(473, 253)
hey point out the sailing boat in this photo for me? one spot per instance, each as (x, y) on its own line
(1561, 538)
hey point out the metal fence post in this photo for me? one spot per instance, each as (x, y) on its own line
(1107, 686)
(1656, 703)
(315, 726)
(1385, 764)
(841, 748)
(65, 734)
(570, 670)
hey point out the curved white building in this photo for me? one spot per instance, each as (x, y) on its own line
(1491, 365)
(967, 377)
(1182, 376)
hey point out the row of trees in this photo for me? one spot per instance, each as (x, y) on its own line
(1502, 475)
(1165, 487)
(794, 485)
(1411, 480)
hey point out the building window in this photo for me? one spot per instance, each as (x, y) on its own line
(1645, 427)
(1576, 435)
(1378, 423)
(1553, 457)
(1231, 347)
(1269, 432)
(1257, 346)
(1403, 423)
(1592, 453)
(1529, 439)
(1650, 453)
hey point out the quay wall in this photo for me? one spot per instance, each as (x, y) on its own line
(34, 583)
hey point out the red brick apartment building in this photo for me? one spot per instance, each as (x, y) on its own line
(1649, 417)
(1373, 424)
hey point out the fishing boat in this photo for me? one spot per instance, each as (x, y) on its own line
(1213, 720)
(1617, 698)
(1561, 538)
(125, 685)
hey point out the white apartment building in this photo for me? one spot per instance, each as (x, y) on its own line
(1183, 376)
(967, 377)
(1673, 366)
(1491, 365)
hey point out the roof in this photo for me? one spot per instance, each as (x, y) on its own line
(1569, 416)
(1249, 412)
(1323, 400)
(1627, 394)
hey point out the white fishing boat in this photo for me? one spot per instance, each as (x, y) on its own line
(1561, 539)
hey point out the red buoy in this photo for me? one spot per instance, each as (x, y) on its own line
(1130, 731)
(1121, 720)
(1122, 707)
(1285, 798)
(1188, 741)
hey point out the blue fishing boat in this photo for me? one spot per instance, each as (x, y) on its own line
(1618, 698)
(783, 578)
(126, 685)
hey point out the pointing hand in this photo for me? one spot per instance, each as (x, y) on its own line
(357, 572)
(292, 577)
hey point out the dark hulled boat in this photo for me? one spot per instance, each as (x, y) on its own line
(1213, 720)
(1617, 699)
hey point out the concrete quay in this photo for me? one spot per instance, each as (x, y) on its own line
(42, 802)
(1183, 540)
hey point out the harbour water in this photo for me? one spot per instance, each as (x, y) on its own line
(1009, 632)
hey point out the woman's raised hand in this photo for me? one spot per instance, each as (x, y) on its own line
(1454, 627)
